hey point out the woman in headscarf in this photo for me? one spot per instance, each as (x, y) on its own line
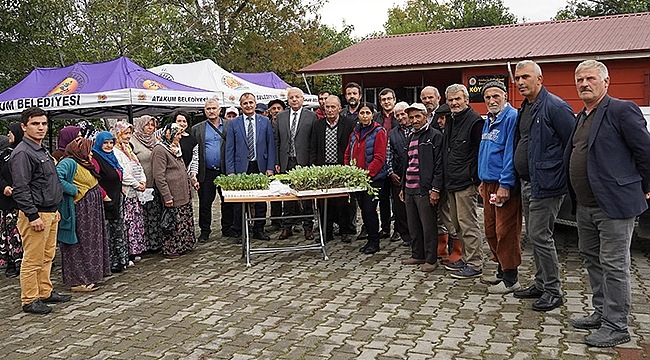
(66, 135)
(133, 181)
(110, 173)
(172, 181)
(187, 142)
(143, 141)
(11, 250)
(85, 256)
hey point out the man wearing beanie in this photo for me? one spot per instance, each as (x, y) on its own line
(502, 214)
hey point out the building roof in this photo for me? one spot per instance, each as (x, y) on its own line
(609, 36)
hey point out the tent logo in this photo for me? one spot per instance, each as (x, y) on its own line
(166, 75)
(74, 81)
(233, 83)
(149, 84)
(102, 98)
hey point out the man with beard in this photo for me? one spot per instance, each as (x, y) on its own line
(322, 96)
(396, 160)
(430, 97)
(353, 98)
(462, 139)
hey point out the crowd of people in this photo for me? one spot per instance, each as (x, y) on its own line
(432, 163)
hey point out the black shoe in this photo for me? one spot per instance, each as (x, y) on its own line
(547, 302)
(363, 248)
(204, 236)
(530, 292)
(592, 321)
(37, 307)
(406, 242)
(117, 270)
(384, 234)
(261, 236)
(371, 249)
(11, 271)
(231, 233)
(605, 337)
(55, 297)
(363, 234)
(395, 237)
(346, 238)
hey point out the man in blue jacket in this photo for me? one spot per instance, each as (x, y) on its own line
(544, 125)
(502, 218)
(608, 160)
(250, 149)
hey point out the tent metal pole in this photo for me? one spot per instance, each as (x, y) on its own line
(304, 78)
(130, 113)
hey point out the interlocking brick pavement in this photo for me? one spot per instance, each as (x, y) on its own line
(208, 305)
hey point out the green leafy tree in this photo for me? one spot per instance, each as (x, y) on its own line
(431, 15)
(588, 8)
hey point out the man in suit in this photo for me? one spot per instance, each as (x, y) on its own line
(608, 161)
(250, 149)
(292, 142)
(211, 136)
(329, 141)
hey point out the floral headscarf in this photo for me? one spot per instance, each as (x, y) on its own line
(169, 133)
(66, 135)
(138, 131)
(79, 150)
(118, 131)
(87, 129)
(108, 156)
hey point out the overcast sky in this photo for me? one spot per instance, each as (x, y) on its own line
(369, 16)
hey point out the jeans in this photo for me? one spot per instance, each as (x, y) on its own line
(604, 244)
(540, 217)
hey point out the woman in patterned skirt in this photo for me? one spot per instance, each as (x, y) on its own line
(11, 250)
(133, 181)
(81, 235)
(143, 141)
(110, 173)
(172, 181)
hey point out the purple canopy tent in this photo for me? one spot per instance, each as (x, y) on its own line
(268, 79)
(116, 87)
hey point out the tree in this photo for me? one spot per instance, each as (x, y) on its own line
(431, 15)
(589, 8)
(240, 35)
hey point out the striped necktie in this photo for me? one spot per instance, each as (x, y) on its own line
(250, 140)
(292, 141)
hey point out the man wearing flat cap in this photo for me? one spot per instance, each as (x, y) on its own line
(502, 211)
(421, 186)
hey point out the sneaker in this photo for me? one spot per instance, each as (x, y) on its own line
(467, 272)
(137, 258)
(455, 266)
(491, 279)
(605, 337)
(131, 264)
(395, 237)
(592, 321)
(501, 288)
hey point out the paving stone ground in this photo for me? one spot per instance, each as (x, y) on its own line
(208, 305)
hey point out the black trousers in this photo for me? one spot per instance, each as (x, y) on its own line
(424, 228)
(399, 211)
(369, 215)
(297, 207)
(259, 207)
(207, 193)
(338, 211)
(384, 204)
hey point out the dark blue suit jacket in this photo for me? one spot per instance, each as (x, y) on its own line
(237, 147)
(618, 158)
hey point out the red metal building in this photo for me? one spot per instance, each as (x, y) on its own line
(406, 63)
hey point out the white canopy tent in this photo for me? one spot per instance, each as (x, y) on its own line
(206, 74)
